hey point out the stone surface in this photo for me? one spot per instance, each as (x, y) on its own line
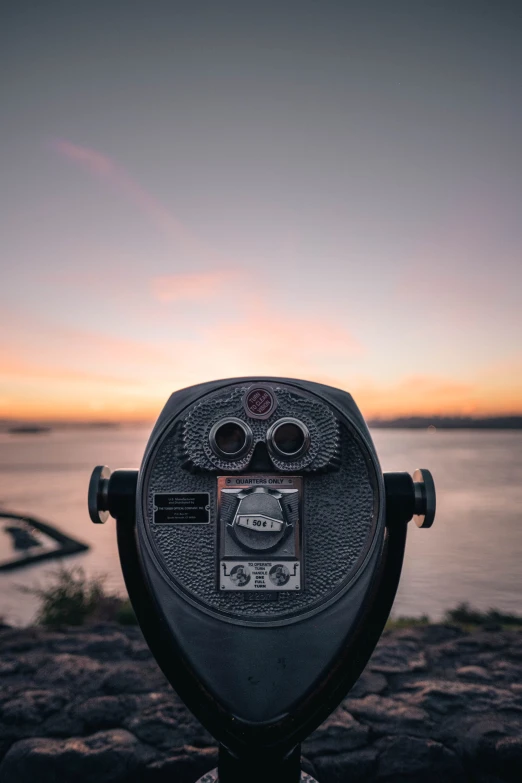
(113, 756)
(341, 730)
(390, 715)
(409, 758)
(90, 704)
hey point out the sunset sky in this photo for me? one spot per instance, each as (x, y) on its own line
(321, 190)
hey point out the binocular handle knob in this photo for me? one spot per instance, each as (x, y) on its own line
(98, 497)
(425, 499)
(410, 497)
(112, 493)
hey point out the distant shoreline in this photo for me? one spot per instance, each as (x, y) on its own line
(431, 423)
(448, 423)
(38, 428)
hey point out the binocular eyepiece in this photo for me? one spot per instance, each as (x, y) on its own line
(287, 438)
(261, 546)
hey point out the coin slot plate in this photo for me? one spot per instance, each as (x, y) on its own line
(259, 551)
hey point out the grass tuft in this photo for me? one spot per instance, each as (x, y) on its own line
(125, 614)
(73, 598)
(464, 614)
(396, 623)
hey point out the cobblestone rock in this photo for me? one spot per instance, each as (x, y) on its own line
(406, 758)
(390, 715)
(368, 682)
(185, 766)
(110, 756)
(341, 730)
(90, 704)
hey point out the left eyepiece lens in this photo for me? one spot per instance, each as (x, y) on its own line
(230, 438)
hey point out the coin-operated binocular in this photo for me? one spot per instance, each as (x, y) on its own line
(261, 546)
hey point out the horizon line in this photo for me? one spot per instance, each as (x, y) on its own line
(150, 420)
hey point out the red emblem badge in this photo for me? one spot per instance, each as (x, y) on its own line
(259, 402)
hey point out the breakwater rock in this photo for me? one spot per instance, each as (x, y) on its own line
(89, 704)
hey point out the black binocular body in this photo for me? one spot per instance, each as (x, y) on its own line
(261, 546)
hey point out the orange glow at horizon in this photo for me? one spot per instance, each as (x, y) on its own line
(70, 399)
(53, 373)
(195, 316)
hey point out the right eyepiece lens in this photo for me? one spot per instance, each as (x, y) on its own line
(230, 438)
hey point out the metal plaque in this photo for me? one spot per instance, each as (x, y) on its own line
(181, 508)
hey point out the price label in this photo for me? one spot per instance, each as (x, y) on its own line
(260, 522)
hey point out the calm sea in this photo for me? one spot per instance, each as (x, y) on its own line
(473, 553)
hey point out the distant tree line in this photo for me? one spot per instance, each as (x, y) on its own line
(450, 423)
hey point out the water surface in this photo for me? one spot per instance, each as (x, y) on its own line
(473, 552)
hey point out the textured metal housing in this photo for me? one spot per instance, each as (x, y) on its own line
(322, 425)
(341, 505)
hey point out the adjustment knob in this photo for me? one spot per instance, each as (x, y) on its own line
(410, 497)
(112, 493)
(425, 499)
(98, 497)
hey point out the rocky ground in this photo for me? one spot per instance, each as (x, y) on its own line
(435, 704)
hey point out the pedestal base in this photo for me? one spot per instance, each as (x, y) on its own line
(212, 777)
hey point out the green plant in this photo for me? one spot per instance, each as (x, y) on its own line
(73, 598)
(125, 614)
(396, 623)
(464, 614)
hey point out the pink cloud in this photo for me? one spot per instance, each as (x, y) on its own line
(107, 169)
(192, 287)
(92, 160)
(267, 339)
